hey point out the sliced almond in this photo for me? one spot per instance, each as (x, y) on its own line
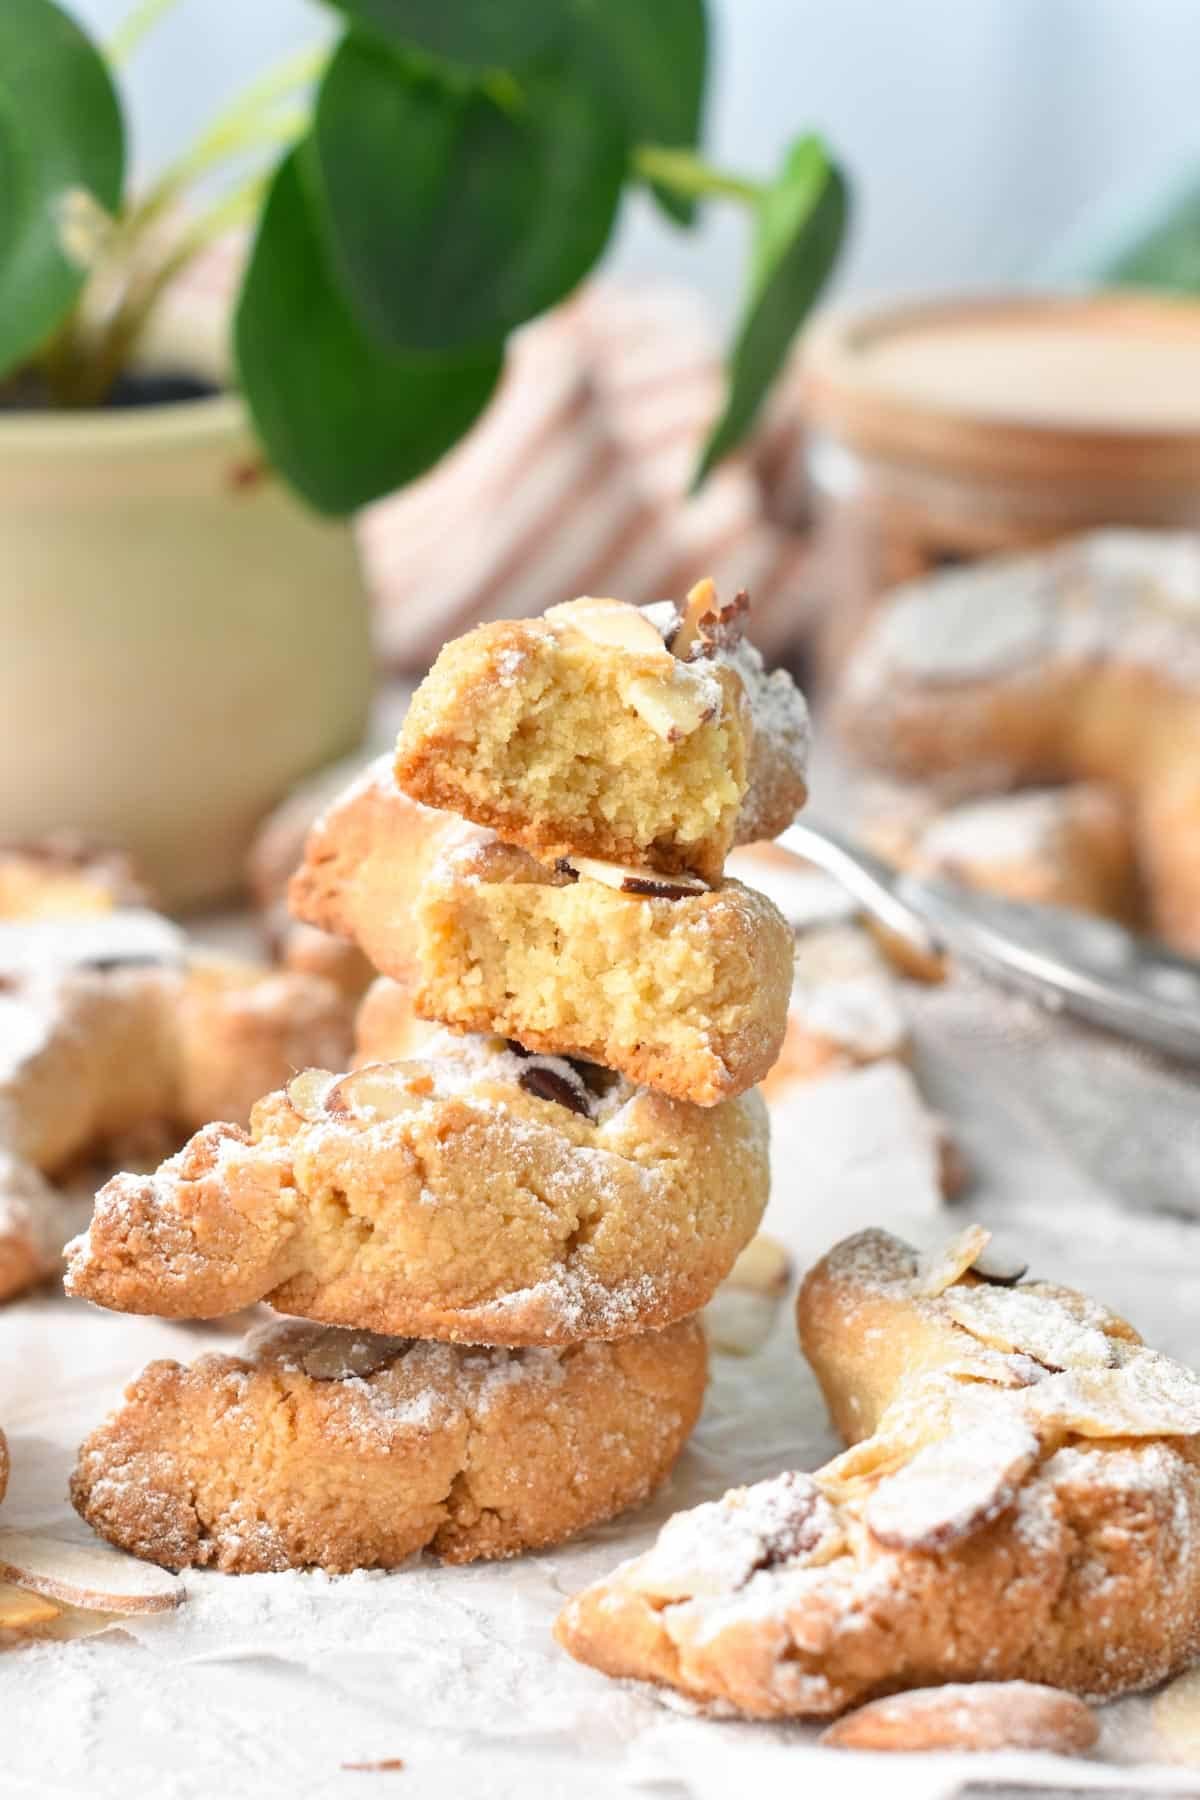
(1086, 1310)
(1177, 1717)
(613, 623)
(306, 1093)
(1000, 1270)
(764, 1267)
(646, 883)
(671, 710)
(1016, 1319)
(376, 1091)
(339, 1355)
(940, 1269)
(952, 1488)
(741, 1314)
(985, 1715)
(1149, 1396)
(701, 599)
(738, 1322)
(19, 1609)
(85, 1575)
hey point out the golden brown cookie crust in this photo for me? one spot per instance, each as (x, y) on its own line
(687, 994)
(345, 1451)
(442, 1198)
(1001, 1514)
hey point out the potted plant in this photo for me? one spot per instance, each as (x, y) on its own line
(181, 633)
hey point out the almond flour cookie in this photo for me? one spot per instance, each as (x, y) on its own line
(110, 1031)
(675, 984)
(275, 855)
(845, 1008)
(346, 1450)
(1021, 1501)
(1067, 846)
(476, 1194)
(65, 876)
(649, 738)
(1079, 664)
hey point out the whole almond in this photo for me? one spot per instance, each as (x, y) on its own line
(983, 1715)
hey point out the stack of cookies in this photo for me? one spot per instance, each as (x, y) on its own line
(502, 1228)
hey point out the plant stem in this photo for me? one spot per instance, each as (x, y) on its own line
(244, 124)
(686, 173)
(109, 355)
(219, 144)
(134, 27)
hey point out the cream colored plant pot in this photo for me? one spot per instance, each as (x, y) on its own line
(179, 638)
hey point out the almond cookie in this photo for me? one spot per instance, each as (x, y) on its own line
(1066, 846)
(671, 982)
(111, 1030)
(649, 738)
(845, 1008)
(344, 1450)
(1021, 1502)
(275, 855)
(65, 876)
(1080, 664)
(477, 1194)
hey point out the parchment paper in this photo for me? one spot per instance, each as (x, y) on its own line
(269, 1685)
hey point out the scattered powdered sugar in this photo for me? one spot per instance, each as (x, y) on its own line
(844, 991)
(1015, 1319)
(50, 947)
(954, 1486)
(376, 777)
(26, 1024)
(571, 1298)
(714, 1549)
(1126, 595)
(805, 896)
(1008, 829)
(778, 708)
(508, 665)
(459, 1063)
(964, 624)
(36, 1213)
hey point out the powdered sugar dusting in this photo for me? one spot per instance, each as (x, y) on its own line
(1128, 595)
(845, 992)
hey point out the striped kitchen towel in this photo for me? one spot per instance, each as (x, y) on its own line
(575, 480)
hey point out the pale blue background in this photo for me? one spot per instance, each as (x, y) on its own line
(979, 131)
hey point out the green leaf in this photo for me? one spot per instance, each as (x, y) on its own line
(474, 34)
(342, 418)
(453, 216)
(60, 129)
(652, 58)
(801, 218)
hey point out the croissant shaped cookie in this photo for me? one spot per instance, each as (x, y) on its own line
(1020, 1501)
